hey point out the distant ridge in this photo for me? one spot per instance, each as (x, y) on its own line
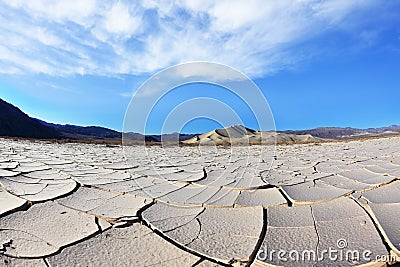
(346, 133)
(104, 134)
(83, 132)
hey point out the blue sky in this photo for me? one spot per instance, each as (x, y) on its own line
(318, 63)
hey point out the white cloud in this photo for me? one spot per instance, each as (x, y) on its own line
(119, 20)
(336, 10)
(72, 10)
(206, 72)
(10, 57)
(123, 37)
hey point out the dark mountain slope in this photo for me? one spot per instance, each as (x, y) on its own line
(15, 123)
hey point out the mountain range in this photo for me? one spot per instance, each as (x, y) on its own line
(346, 133)
(16, 123)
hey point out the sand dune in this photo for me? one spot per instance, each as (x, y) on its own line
(238, 134)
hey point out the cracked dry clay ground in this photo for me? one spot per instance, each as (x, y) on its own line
(82, 205)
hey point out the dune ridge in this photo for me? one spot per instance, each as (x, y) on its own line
(239, 134)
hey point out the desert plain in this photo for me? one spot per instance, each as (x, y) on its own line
(96, 205)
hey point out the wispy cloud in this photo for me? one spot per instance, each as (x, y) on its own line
(127, 94)
(110, 38)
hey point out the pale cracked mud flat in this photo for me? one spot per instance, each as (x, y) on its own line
(82, 205)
